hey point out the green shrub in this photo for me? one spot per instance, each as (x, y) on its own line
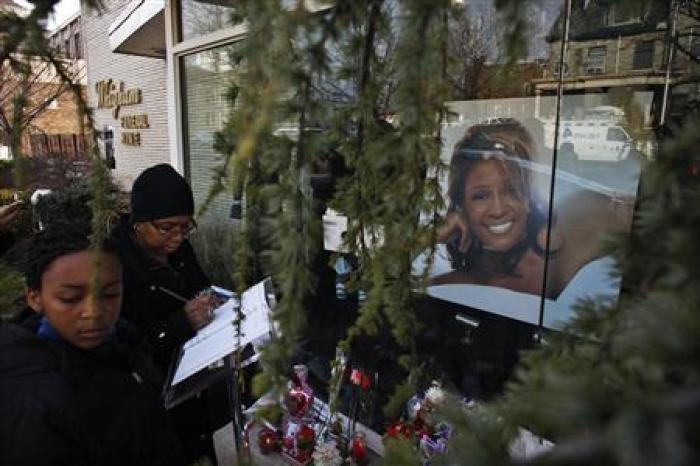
(11, 291)
(72, 203)
(215, 244)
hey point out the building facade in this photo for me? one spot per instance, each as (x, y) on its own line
(50, 118)
(622, 48)
(68, 38)
(128, 96)
(181, 81)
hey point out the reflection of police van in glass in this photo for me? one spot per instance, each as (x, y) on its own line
(591, 140)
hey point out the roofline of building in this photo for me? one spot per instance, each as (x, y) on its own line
(65, 22)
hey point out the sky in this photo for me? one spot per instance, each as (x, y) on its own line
(64, 9)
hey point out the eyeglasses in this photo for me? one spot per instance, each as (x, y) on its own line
(168, 229)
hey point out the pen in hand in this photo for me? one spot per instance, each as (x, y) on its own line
(172, 294)
(199, 310)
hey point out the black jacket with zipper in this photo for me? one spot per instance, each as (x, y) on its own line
(163, 318)
(145, 303)
(61, 405)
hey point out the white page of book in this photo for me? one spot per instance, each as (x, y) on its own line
(199, 356)
(220, 339)
(223, 315)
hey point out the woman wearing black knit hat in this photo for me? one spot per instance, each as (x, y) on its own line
(160, 268)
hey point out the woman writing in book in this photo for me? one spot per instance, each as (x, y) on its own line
(163, 283)
(496, 228)
(77, 383)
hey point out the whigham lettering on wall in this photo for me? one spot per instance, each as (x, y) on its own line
(131, 139)
(135, 121)
(111, 95)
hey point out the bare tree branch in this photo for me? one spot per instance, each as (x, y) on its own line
(36, 83)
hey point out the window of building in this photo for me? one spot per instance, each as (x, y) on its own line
(624, 13)
(694, 43)
(206, 76)
(555, 59)
(67, 48)
(595, 60)
(205, 68)
(643, 55)
(200, 17)
(77, 46)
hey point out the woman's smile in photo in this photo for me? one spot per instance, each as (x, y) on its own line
(495, 208)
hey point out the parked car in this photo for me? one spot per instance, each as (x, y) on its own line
(590, 140)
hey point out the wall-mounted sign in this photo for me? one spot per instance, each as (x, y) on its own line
(111, 95)
(131, 139)
(115, 96)
(135, 121)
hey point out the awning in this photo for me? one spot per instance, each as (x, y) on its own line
(140, 29)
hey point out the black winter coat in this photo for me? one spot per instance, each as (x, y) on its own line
(60, 405)
(6, 242)
(163, 319)
(145, 305)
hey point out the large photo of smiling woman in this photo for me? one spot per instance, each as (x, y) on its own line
(494, 235)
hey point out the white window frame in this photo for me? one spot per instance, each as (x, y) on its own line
(175, 51)
(596, 64)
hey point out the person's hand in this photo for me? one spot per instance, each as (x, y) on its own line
(8, 214)
(200, 309)
(455, 224)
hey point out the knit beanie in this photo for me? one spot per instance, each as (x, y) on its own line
(160, 192)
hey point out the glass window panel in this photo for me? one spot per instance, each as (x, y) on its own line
(604, 136)
(200, 17)
(643, 55)
(623, 13)
(206, 77)
(595, 63)
(78, 46)
(498, 145)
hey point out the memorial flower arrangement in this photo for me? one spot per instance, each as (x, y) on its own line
(422, 426)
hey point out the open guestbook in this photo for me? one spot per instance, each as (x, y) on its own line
(203, 360)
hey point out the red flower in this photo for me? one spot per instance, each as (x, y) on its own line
(358, 450)
(298, 402)
(361, 379)
(366, 381)
(267, 440)
(399, 429)
(355, 377)
(305, 438)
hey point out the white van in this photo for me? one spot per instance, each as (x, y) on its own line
(590, 140)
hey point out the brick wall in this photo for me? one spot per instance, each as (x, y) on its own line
(60, 117)
(620, 54)
(148, 74)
